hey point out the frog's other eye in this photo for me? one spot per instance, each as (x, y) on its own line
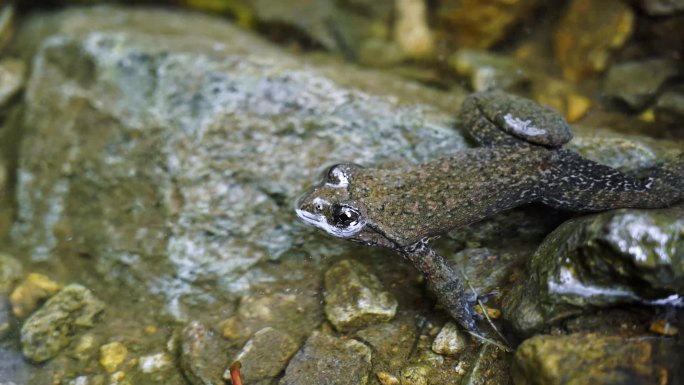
(337, 176)
(345, 216)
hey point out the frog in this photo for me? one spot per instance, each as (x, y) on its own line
(520, 159)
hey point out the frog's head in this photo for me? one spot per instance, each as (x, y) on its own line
(331, 207)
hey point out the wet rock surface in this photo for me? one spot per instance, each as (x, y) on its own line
(265, 355)
(597, 359)
(450, 341)
(12, 73)
(662, 7)
(588, 34)
(637, 83)
(32, 291)
(669, 108)
(481, 24)
(391, 342)
(202, 356)
(354, 297)
(52, 327)
(325, 359)
(488, 71)
(622, 256)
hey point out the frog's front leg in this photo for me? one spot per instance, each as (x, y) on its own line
(445, 283)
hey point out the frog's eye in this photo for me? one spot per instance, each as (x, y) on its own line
(337, 176)
(345, 216)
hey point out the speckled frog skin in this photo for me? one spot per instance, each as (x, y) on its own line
(520, 161)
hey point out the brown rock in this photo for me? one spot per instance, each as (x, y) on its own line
(587, 34)
(481, 24)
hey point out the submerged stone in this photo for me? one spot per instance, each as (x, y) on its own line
(669, 108)
(11, 79)
(354, 297)
(392, 342)
(30, 292)
(662, 7)
(265, 355)
(52, 327)
(480, 24)
(487, 71)
(450, 341)
(587, 34)
(637, 83)
(293, 313)
(596, 359)
(620, 256)
(325, 359)
(203, 355)
(10, 271)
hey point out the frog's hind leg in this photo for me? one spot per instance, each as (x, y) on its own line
(578, 184)
(485, 132)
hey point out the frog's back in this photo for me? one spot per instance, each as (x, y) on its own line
(495, 118)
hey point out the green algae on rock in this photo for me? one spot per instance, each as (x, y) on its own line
(622, 256)
(52, 327)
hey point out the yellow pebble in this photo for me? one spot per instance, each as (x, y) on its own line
(112, 355)
(30, 292)
(663, 327)
(647, 116)
(387, 379)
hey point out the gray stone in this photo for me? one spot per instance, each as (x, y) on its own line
(620, 256)
(52, 327)
(450, 341)
(490, 366)
(13, 367)
(629, 153)
(354, 297)
(6, 24)
(392, 342)
(205, 135)
(5, 314)
(637, 83)
(596, 359)
(265, 355)
(328, 360)
(669, 108)
(11, 79)
(296, 314)
(10, 272)
(415, 375)
(662, 7)
(487, 71)
(203, 355)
